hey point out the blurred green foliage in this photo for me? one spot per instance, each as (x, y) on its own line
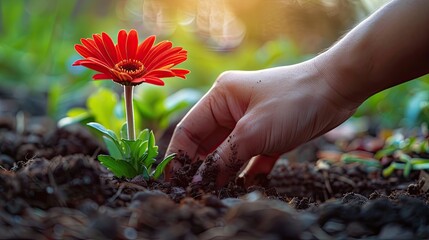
(406, 105)
(36, 47)
(36, 53)
(153, 109)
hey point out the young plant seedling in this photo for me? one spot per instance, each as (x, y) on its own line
(130, 158)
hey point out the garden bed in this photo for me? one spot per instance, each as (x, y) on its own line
(51, 187)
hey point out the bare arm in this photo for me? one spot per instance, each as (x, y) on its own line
(388, 48)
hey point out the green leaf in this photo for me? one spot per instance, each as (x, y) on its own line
(126, 149)
(365, 161)
(113, 135)
(102, 105)
(419, 160)
(144, 135)
(145, 173)
(143, 152)
(113, 147)
(103, 130)
(385, 152)
(82, 118)
(407, 169)
(143, 148)
(152, 151)
(124, 131)
(119, 167)
(403, 157)
(424, 147)
(161, 166)
(74, 112)
(409, 143)
(133, 152)
(147, 100)
(389, 170)
(421, 166)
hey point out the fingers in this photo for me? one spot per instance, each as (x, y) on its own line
(197, 152)
(241, 145)
(258, 166)
(201, 130)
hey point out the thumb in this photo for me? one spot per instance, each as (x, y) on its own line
(258, 166)
(226, 161)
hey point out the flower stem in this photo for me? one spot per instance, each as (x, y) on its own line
(128, 92)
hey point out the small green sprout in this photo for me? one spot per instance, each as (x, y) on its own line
(402, 150)
(407, 164)
(130, 158)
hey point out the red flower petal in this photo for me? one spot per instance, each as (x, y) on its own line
(150, 80)
(132, 43)
(160, 73)
(160, 58)
(144, 47)
(153, 52)
(94, 66)
(83, 51)
(122, 41)
(110, 47)
(170, 61)
(98, 40)
(102, 76)
(92, 47)
(180, 72)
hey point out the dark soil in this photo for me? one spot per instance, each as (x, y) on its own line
(51, 187)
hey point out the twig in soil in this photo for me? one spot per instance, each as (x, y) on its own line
(327, 183)
(132, 185)
(94, 156)
(2, 168)
(60, 198)
(347, 180)
(113, 198)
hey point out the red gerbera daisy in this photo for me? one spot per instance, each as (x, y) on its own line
(129, 63)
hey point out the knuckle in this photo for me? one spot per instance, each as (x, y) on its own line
(182, 130)
(225, 79)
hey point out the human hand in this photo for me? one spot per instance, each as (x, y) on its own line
(259, 114)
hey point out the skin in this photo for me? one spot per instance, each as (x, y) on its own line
(258, 115)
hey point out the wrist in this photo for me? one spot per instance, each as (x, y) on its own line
(340, 82)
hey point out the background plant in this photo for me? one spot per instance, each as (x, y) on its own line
(154, 108)
(401, 154)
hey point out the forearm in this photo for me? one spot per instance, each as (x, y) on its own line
(388, 48)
